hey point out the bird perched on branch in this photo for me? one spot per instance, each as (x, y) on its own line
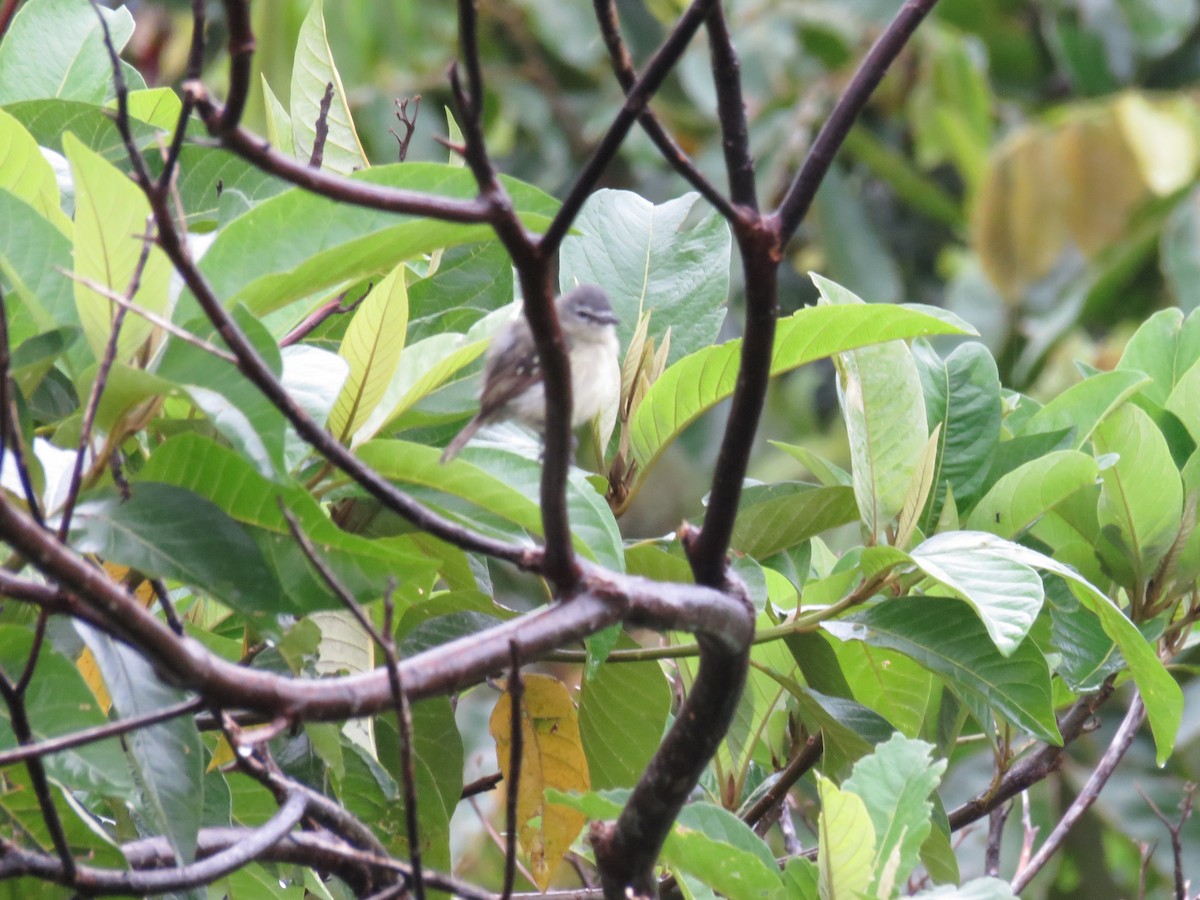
(513, 385)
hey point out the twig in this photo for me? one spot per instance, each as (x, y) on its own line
(1091, 790)
(98, 732)
(516, 690)
(407, 122)
(481, 785)
(788, 776)
(1175, 829)
(152, 317)
(321, 128)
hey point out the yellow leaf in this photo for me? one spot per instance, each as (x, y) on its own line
(1102, 174)
(552, 757)
(1161, 140)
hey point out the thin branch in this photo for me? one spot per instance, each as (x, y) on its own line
(257, 150)
(636, 99)
(407, 122)
(803, 189)
(516, 690)
(622, 66)
(99, 732)
(1175, 829)
(150, 316)
(1121, 742)
(996, 820)
(6, 14)
(481, 785)
(800, 764)
(241, 54)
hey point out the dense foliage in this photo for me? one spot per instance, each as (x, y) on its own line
(229, 366)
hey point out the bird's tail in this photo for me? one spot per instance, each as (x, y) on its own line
(460, 439)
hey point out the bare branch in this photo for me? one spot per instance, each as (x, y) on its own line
(1121, 742)
(516, 690)
(321, 128)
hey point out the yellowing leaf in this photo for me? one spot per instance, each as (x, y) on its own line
(1161, 140)
(110, 218)
(847, 842)
(1102, 173)
(552, 757)
(372, 347)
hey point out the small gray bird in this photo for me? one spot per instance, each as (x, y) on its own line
(512, 373)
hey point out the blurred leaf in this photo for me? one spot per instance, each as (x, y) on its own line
(847, 842)
(372, 346)
(1141, 500)
(55, 48)
(855, 255)
(623, 710)
(346, 649)
(948, 639)
(1161, 136)
(552, 757)
(279, 122)
(296, 259)
(34, 258)
(27, 175)
(110, 213)
(703, 379)
(777, 516)
(168, 758)
(895, 783)
(313, 378)
(824, 471)
(879, 391)
(312, 71)
(1181, 251)
(49, 121)
(665, 259)
(1023, 495)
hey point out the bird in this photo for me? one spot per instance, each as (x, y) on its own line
(513, 385)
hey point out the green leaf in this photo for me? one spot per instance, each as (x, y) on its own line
(159, 107)
(59, 702)
(470, 282)
(847, 842)
(168, 758)
(170, 532)
(1141, 500)
(296, 259)
(110, 213)
(1088, 655)
(781, 515)
(1085, 405)
(1160, 693)
(55, 48)
(313, 378)
(800, 879)
(1006, 594)
(372, 346)
(34, 259)
(279, 122)
(1164, 347)
(1184, 400)
(505, 484)
(707, 842)
(312, 71)
(702, 380)
(894, 686)
(948, 639)
(962, 394)
(975, 889)
(236, 407)
(49, 121)
(824, 471)
(622, 712)
(879, 391)
(215, 185)
(25, 173)
(652, 258)
(1022, 496)
(363, 566)
(895, 783)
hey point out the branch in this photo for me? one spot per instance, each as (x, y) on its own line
(636, 99)
(1091, 791)
(622, 66)
(731, 111)
(791, 773)
(803, 189)
(16, 861)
